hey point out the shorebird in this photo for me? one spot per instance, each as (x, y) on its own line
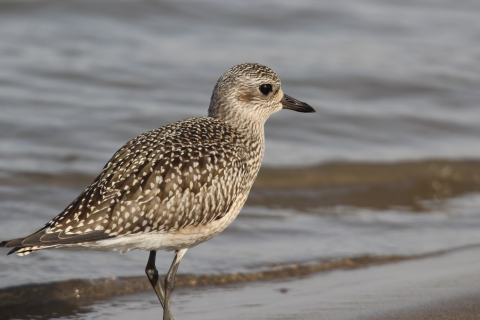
(177, 186)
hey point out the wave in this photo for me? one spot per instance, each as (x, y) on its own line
(380, 186)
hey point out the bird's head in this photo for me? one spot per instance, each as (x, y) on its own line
(251, 92)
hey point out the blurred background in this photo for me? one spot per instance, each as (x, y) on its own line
(389, 164)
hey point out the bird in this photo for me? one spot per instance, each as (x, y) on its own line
(177, 186)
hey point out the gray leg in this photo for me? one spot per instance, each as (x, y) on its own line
(152, 275)
(170, 283)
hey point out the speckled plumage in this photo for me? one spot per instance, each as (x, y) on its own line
(188, 173)
(177, 186)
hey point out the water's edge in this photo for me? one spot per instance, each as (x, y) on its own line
(372, 185)
(75, 293)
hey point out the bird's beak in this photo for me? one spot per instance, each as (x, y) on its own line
(295, 105)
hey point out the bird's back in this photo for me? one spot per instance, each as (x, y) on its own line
(185, 174)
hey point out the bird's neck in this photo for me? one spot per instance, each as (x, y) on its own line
(252, 130)
(254, 145)
(248, 124)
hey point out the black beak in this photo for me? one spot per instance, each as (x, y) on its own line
(295, 105)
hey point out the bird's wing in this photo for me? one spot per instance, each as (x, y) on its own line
(163, 180)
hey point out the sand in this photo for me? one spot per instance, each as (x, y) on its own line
(441, 287)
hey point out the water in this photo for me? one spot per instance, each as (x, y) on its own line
(390, 81)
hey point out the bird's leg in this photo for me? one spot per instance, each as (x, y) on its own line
(170, 283)
(152, 275)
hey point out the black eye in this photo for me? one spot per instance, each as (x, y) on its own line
(265, 88)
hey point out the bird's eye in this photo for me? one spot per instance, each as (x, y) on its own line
(265, 88)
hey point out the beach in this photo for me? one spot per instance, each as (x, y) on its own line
(367, 209)
(438, 286)
(441, 287)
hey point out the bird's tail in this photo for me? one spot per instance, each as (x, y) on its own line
(16, 244)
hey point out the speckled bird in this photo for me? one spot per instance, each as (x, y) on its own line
(176, 186)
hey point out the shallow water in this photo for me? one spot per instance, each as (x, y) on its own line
(381, 292)
(390, 81)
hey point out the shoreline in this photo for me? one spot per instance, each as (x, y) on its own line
(78, 291)
(437, 287)
(70, 295)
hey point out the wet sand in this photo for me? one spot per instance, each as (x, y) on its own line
(463, 308)
(45, 300)
(441, 287)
